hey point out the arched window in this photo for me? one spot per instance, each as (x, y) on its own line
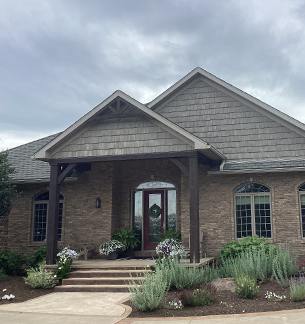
(40, 216)
(302, 207)
(253, 210)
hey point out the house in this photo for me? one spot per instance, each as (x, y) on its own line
(203, 157)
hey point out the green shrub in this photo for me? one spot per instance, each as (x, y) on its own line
(297, 290)
(63, 269)
(198, 297)
(38, 257)
(246, 286)
(150, 295)
(127, 237)
(40, 278)
(171, 234)
(3, 275)
(11, 263)
(283, 267)
(256, 263)
(252, 243)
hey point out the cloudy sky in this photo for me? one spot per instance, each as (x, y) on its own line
(59, 58)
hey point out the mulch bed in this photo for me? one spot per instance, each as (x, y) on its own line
(227, 302)
(16, 286)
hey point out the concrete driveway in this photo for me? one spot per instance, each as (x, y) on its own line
(68, 307)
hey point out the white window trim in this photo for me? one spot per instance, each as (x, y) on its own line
(301, 193)
(253, 227)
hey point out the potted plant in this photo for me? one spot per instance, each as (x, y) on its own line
(111, 249)
(128, 238)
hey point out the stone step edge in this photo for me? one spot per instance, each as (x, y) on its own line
(98, 271)
(99, 288)
(111, 279)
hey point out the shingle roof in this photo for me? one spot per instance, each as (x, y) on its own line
(263, 165)
(27, 169)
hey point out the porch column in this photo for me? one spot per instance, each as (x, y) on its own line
(194, 209)
(52, 221)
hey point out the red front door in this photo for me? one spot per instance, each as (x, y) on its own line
(153, 217)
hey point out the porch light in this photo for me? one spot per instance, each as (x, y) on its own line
(98, 202)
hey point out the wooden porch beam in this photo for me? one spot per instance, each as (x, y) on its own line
(52, 221)
(183, 168)
(63, 174)
(126, 157)
(194, 210)
(57, 176)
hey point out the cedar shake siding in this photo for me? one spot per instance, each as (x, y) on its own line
(119, 135)
(236, 138)
(235, 129)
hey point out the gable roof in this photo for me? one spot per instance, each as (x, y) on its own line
(199, 144)
(271, 111)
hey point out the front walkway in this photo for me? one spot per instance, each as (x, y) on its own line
(68, 308)
(296, 316)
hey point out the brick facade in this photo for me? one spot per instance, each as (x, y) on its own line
(114, 183)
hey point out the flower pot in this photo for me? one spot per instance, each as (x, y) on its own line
(126, 253)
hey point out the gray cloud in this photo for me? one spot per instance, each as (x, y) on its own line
(60, 58)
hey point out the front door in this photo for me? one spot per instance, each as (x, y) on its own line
(153, 217)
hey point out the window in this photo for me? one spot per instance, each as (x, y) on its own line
(40, 211)
(302, 208)
(253, 210)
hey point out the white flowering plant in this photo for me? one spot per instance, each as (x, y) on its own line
(272, 296)
(175, 304)
(64, 260)
(67, 254)
(8, 297)
(170, 248)
(111, 246)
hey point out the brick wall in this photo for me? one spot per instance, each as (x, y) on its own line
(217, 209)
(114, 183)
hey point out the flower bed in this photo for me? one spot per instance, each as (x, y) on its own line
(226, 302)
(256, 279)
(16, 286)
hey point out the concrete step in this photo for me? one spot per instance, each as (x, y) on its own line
(104, 267)
(93, 288)
(101, 281)
(107, 273)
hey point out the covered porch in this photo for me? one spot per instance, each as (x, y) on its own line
(142, 170)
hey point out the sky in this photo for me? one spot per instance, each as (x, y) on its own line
(60, 58)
